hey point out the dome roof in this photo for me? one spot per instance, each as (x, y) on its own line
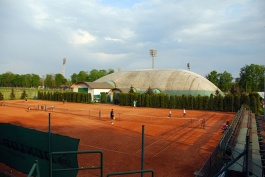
(168, 81)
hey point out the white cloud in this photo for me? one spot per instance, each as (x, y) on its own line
(79, 37)
(109, 57)
(113, 39)
(38, 14)
(99, 34)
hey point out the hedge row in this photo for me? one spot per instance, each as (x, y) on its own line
(228, 103)
(67, 96)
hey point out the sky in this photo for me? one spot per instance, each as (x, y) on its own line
(221, 35)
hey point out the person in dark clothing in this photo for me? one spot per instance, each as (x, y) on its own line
(112, 116)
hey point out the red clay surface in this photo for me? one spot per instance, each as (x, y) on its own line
(174, 147)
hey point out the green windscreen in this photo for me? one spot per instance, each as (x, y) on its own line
(82, 90)
(20, 147)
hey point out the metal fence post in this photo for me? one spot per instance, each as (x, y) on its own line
(49, 129)
(247, 155)
(142, 166)
(37, 168)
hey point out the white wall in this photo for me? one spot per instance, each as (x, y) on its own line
(97, 91)
(91, 91)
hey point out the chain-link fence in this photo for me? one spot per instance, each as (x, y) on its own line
(222, 152)
(233, 154)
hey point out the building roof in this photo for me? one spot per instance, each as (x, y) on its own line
(169, 81)
(124, 90)
(95, 85)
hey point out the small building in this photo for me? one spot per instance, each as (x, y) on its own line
(94, 88)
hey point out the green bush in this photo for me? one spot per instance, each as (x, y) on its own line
(200, 102)
(147, 100)
(220, 102)
(1, 96)
(228, 103)
(190, 102)
(244, 99)
(103, 97)
(171, 102)
(206, 103)
(12, 94)
(178, 102)
(253, 104)
(237, 104)
(24, 94)
(184, 101)
(143, 100)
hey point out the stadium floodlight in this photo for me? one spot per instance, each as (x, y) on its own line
(63, 68)
(153, 54)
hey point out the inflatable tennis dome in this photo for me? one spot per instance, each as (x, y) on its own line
(168, 81)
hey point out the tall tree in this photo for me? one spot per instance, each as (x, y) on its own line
(6, 79)
(96, 74)
(16, 82)
(213, 77)
(222, 80)
(251, 78)
(225, 81)
(74, 78)
(36, 81)
(82, 76)
(59, 80)
(49, 81)
(93, 75)
(26, 80)
(235, 89)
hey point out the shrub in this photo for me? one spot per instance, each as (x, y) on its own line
(24, 94)
(12, 94)
(103, 97)
(1, 96)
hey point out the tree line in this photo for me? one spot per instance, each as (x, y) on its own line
(251, 79)
(10, 79)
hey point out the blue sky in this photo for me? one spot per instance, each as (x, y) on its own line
(221, 35)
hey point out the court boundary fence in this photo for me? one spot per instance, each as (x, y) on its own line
(35, 167)
(221, 153)
(101, 167)
(225, 154)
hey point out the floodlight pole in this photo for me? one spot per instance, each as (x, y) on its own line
(153, 63)
(153, 54)
(63, 68)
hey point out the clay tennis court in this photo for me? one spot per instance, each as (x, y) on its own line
(174, 147)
